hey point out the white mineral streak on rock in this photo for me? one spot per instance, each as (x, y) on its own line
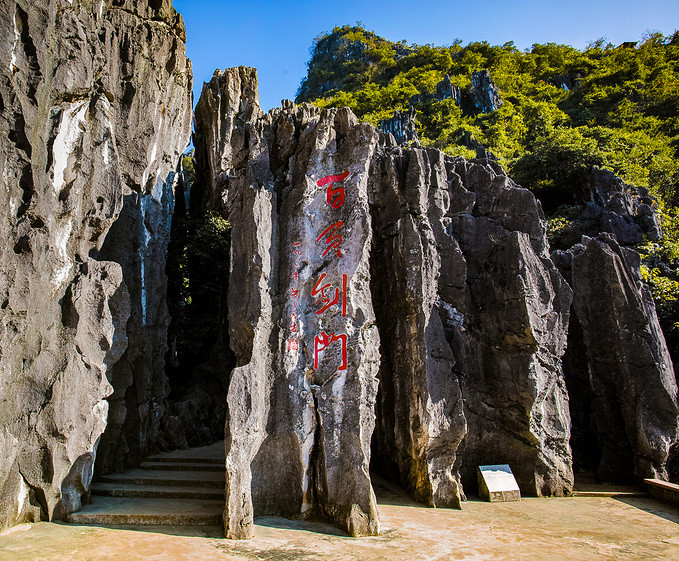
(23, 496)
(151, 160)
(70, 133)
(62, 235)
(13, 60)
(159, 188)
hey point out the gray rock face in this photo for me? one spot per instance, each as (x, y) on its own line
(457, 244)
(484, 95)
(618, 367)
(401, 126)
(300, 402)
(78, 116)
(623, 210)
(481, 96)
(446, 90)
(330, 222)
(153, 80)
(420, 418)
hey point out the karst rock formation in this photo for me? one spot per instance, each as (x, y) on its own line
(389, 309)
(95, 110)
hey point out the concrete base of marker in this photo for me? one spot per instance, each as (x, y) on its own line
(497, 484)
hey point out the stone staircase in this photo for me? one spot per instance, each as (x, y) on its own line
(180, 488)
(586, 485)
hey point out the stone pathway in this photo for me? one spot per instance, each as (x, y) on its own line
(570, 529)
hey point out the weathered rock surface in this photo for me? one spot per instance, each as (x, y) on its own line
(293, 184)
(619, 373)
(472, 306)
(420, 418)
(153, 80)
(481, 96)
(485, 97)
(618, 208)
(402, 127)
(81, 103)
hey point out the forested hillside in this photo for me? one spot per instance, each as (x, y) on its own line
(563, 111)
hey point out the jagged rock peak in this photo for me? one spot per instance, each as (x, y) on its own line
(613, 206)
(484, 95)
(618, 369)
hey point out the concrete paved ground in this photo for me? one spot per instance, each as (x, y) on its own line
(578, 528)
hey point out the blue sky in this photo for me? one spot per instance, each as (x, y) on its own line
(275, 36)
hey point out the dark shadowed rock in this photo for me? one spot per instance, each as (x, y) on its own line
(82, 105)
(618, 367)
(460, 239)
(420, 418)
(446, 90)
(401, 126)
(152, 78)
(483, 93)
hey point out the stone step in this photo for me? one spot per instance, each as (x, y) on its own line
(182, 466)
(186, 460)
(611, 493)
(157, 491)
(145, 511)
(663, 491)
(587, 485)
(212, 454)
(167, 477)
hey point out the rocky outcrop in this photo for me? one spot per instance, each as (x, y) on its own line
(402, 127)
(615, 207)
(483, 93)
(471, 306)
(153, 80)
(516, 319)
(420, 417)
(481, 96)
(337, 234)
(619, 372)
(86, 103)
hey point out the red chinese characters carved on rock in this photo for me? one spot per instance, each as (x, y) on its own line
(334, 240)
(324, 300)
(334, 195)
(292, 344)
(324, 340)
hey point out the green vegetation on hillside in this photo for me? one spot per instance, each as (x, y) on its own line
(565, 111)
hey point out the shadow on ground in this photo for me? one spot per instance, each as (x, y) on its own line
(652, 506)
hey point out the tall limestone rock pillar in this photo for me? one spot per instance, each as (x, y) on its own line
(153, 80)
(473, 317)
(293, 184)
(619, 366)
(416, 264)
(94, 105)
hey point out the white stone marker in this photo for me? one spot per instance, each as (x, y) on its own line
(497, 484)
